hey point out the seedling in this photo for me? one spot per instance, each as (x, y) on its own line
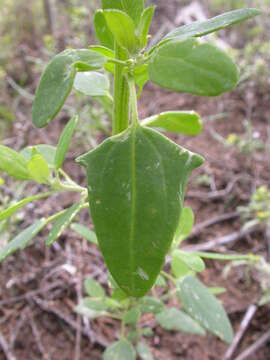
(136, 179)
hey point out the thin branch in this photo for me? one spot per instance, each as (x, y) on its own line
(255, 347)
(6, 349)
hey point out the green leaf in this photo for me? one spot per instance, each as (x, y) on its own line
(145, 23)
(144, 351)
(135, 202)
(20, 204)
(141, 76)
(183, 263)
(217, 290)
(180, 122)
(85, 233)
(93, 288)
(125, 33)
(108, 53)
(13, 163)
(47, 152)
(62, 223)
(191, 67)
(38, 167)
(86, 311)
(21, 241)
(64, 141)
(132, 316)
(134, 9)
(120, 350)
(200, 304)
(150, 304)
(161, 281)
(92, 84)
(174, 319)
(185, 225)
(57, 81)
(95, 304)
(112, 4)
(103, 32)
(201, 28)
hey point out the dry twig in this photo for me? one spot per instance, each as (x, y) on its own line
(255, 347)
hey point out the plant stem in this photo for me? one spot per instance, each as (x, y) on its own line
(121, 94)
(133, 99)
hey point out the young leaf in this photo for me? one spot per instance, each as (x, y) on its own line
(120, 350)
(85, 233)
(62, 223)
(201, 305)
(13, 163)
(180, 122)
(144, 24)
(20, 204)
(46, 151)
(144, 351)
(141, 76)
(112, 4)
(150, 304)
(22, 240)
(38, 167)
(132, 316)
(86, 311)
(192, 261)
(108, 53)
(92, 84)
(95, 304)
(93, 288)
(174, 319)
(124, 33)
(201, 28)
(103, 32)
(135, 202)
(185, 225)
(179, 268)
(64, 141)
(190, 67)
(57, 81)
(134, 9)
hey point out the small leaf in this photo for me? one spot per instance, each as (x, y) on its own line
(120, 350)
(193, 261)
(21, 241)
(92, 84)
(161, 281)
(47, 152)
(201, 28)
(145, 205)
(124, 34)
(201, 305)
(144, 351)
(64, 141)
(38, 167)
(13, 163)
(179, 122)
(62, 223)
(191, 67)
(151, 305)
(89, 313)
(85, 233)
(145, 23)
(179, 268)
(217, 290)
(134, 9)
(141, 77)
(108, 53)
(57, 81)
(20, 204)
(95, 304)
(103, 32)
(93, 288)
(132, 316)
(174, 319)
(185, 225)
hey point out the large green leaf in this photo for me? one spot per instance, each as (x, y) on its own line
(13, 163)
(180, 122)
(201, 28)
(64, 141)
(62, 223)
(103, 32)
(135, 202)
(134, 9)
(174, 319)
(112, 4)
(120, 350)
(22, 240)
(200, 304)
(47, 152)
(57, 80)
(192, 67)
(20, 204)
(123, 29)
(92, 84)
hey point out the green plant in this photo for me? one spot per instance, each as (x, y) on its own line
(136, 179)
